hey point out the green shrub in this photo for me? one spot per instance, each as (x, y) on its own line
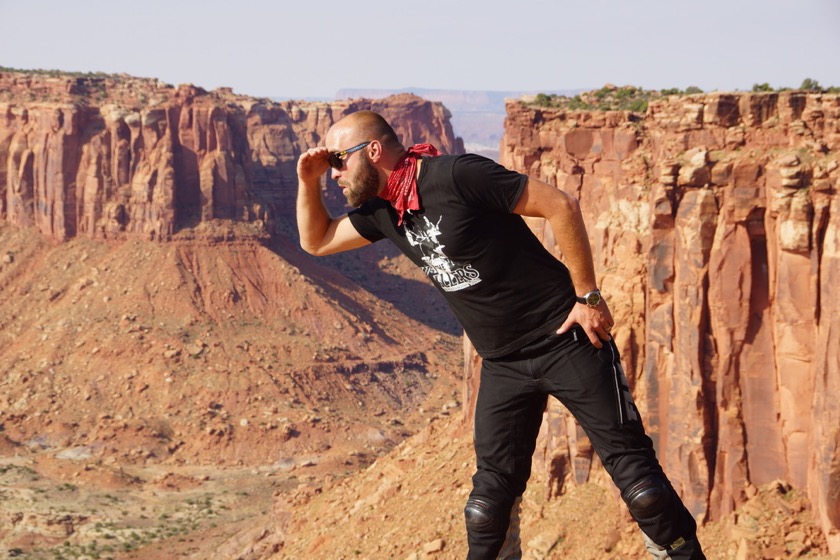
(810, 85)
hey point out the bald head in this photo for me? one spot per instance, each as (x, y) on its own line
(363, 126)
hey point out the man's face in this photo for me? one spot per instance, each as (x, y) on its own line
(359, 179)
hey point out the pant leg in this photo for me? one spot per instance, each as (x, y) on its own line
(591, 384)
(508, 415)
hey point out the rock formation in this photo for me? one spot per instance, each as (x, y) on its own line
(715, 226)
(713, 220)
(221, 346)
(117, 157)
(134, 159)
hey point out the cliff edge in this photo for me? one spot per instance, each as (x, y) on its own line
(715, 226)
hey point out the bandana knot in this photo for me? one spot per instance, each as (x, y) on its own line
(401, 189)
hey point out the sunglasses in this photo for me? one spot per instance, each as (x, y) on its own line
(337, 158)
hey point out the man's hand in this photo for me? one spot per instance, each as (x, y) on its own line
(312, 164)
(596, 322)
(320, 234)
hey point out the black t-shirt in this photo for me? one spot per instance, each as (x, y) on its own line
(504, 287)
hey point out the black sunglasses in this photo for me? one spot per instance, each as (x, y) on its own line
(337, 158)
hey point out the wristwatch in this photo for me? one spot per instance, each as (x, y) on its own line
(592, 299)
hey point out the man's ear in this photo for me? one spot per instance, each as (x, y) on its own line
(374, 151)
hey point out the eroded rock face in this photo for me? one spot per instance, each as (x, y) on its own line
(715, 226)
(108, 158)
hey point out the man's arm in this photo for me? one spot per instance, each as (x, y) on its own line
(562, 211)
(320, 234)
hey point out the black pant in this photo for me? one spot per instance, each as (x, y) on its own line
(591, 384)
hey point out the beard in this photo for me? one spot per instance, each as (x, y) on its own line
(364, 184)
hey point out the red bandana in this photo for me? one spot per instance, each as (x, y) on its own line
(401, 189)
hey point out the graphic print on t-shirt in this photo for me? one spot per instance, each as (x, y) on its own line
(448, 274)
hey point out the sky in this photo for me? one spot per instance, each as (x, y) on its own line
(312, 49)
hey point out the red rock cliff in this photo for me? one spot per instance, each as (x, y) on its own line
(114, 157)
(715, 226)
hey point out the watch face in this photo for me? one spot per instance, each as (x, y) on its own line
(593, 299)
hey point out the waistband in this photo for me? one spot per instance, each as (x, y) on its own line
(543, 344)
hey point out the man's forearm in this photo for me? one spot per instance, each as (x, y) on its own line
(573, 241)
(313, 220)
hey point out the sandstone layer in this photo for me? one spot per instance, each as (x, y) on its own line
(130, 366)
(715, 226)
(117, 157)
(125, 160)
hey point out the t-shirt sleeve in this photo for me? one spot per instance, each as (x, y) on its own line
(364, 219)
(483, 183)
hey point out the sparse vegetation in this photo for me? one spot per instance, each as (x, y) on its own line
(609, 98)
(808, 84)
(636, 99)
(87, 87)
(59, 73)
(112, 536)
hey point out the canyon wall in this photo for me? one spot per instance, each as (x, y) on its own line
(118, 157)
(108, 335)
(713, 220)
(715, 227)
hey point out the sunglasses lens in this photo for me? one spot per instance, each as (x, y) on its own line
(336, 162)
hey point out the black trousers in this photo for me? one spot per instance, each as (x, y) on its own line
(590, 383)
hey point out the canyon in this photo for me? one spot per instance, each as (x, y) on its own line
(714, 224)
(159, 319)
(164, 342)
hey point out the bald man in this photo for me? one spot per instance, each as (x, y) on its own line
(541, 326)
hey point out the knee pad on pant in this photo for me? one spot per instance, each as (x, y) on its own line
(484, 515)
(670, 530)
(648, 498)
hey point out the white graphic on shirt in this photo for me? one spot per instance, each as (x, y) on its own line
(448, 274)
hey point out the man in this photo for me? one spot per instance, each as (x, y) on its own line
(541, 326)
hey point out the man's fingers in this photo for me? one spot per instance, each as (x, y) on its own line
(595, 324)
(565, 327)
(313, 163)
(597, 332)
(595, 339)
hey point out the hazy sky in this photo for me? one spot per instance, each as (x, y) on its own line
(296, 49)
